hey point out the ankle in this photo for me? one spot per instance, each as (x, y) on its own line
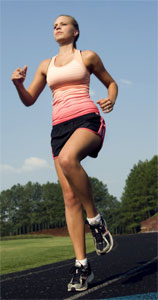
(83, 262)
(95, 220)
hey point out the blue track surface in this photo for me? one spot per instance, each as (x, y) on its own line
(152, 296)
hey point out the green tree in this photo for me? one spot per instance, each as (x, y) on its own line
(10, 200)
(4, 209)
(53, 205)
(139, 199)
(33, 207)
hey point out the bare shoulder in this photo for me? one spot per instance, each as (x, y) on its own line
(43, 66)
(90, 58)
(89, 55)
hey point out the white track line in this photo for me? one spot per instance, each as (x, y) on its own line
(34, 272)
(43, 270)
(100, 286)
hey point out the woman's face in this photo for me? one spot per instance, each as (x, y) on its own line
(64, 30)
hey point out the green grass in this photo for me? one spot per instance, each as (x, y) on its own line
(18, 255)
(25, 236)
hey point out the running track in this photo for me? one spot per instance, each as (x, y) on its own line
(128, 272)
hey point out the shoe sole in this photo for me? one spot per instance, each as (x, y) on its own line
(105, 251)
(85, 287)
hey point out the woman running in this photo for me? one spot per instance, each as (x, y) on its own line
(78, 131)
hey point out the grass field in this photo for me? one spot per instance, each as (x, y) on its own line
(18, 255)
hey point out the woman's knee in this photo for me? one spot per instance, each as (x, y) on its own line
(67, 163)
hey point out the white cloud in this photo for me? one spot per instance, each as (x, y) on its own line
(30, 164)
(125, 81)
(34, 163)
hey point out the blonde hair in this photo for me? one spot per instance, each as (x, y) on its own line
(75, 24)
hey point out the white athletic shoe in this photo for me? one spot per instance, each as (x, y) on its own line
(102, 237)
(82, 276)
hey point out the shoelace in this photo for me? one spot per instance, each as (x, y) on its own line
(97, 230)
(76, 272)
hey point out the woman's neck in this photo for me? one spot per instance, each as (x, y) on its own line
(66, 49)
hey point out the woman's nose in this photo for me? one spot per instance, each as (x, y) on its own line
(58, 27)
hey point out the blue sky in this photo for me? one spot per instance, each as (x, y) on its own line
(123, 33)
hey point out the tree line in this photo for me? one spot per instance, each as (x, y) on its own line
(33, 207)
(139, 200)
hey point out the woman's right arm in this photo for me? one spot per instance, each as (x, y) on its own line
(30, 95)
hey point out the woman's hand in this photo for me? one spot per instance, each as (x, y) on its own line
(106, 105)
(19, 75)
(29, 96)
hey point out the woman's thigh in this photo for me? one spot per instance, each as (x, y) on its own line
(81, 143)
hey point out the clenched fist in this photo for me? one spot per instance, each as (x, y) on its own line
(106, 105)
(19, 75)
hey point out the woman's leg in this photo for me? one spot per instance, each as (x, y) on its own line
(79, 145)
(77, 192)
(73, 214)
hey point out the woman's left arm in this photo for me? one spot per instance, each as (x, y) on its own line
(97, 68)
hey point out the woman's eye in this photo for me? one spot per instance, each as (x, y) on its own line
(60, 25)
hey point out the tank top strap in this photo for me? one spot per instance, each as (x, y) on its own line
(51, 64)
(78, 56)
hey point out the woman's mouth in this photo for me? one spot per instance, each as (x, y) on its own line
(58, 32)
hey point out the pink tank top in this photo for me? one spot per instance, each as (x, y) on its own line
(70, 89)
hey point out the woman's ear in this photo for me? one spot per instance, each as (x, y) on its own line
(76, 33)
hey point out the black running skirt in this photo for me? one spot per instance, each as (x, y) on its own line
(63, 131)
